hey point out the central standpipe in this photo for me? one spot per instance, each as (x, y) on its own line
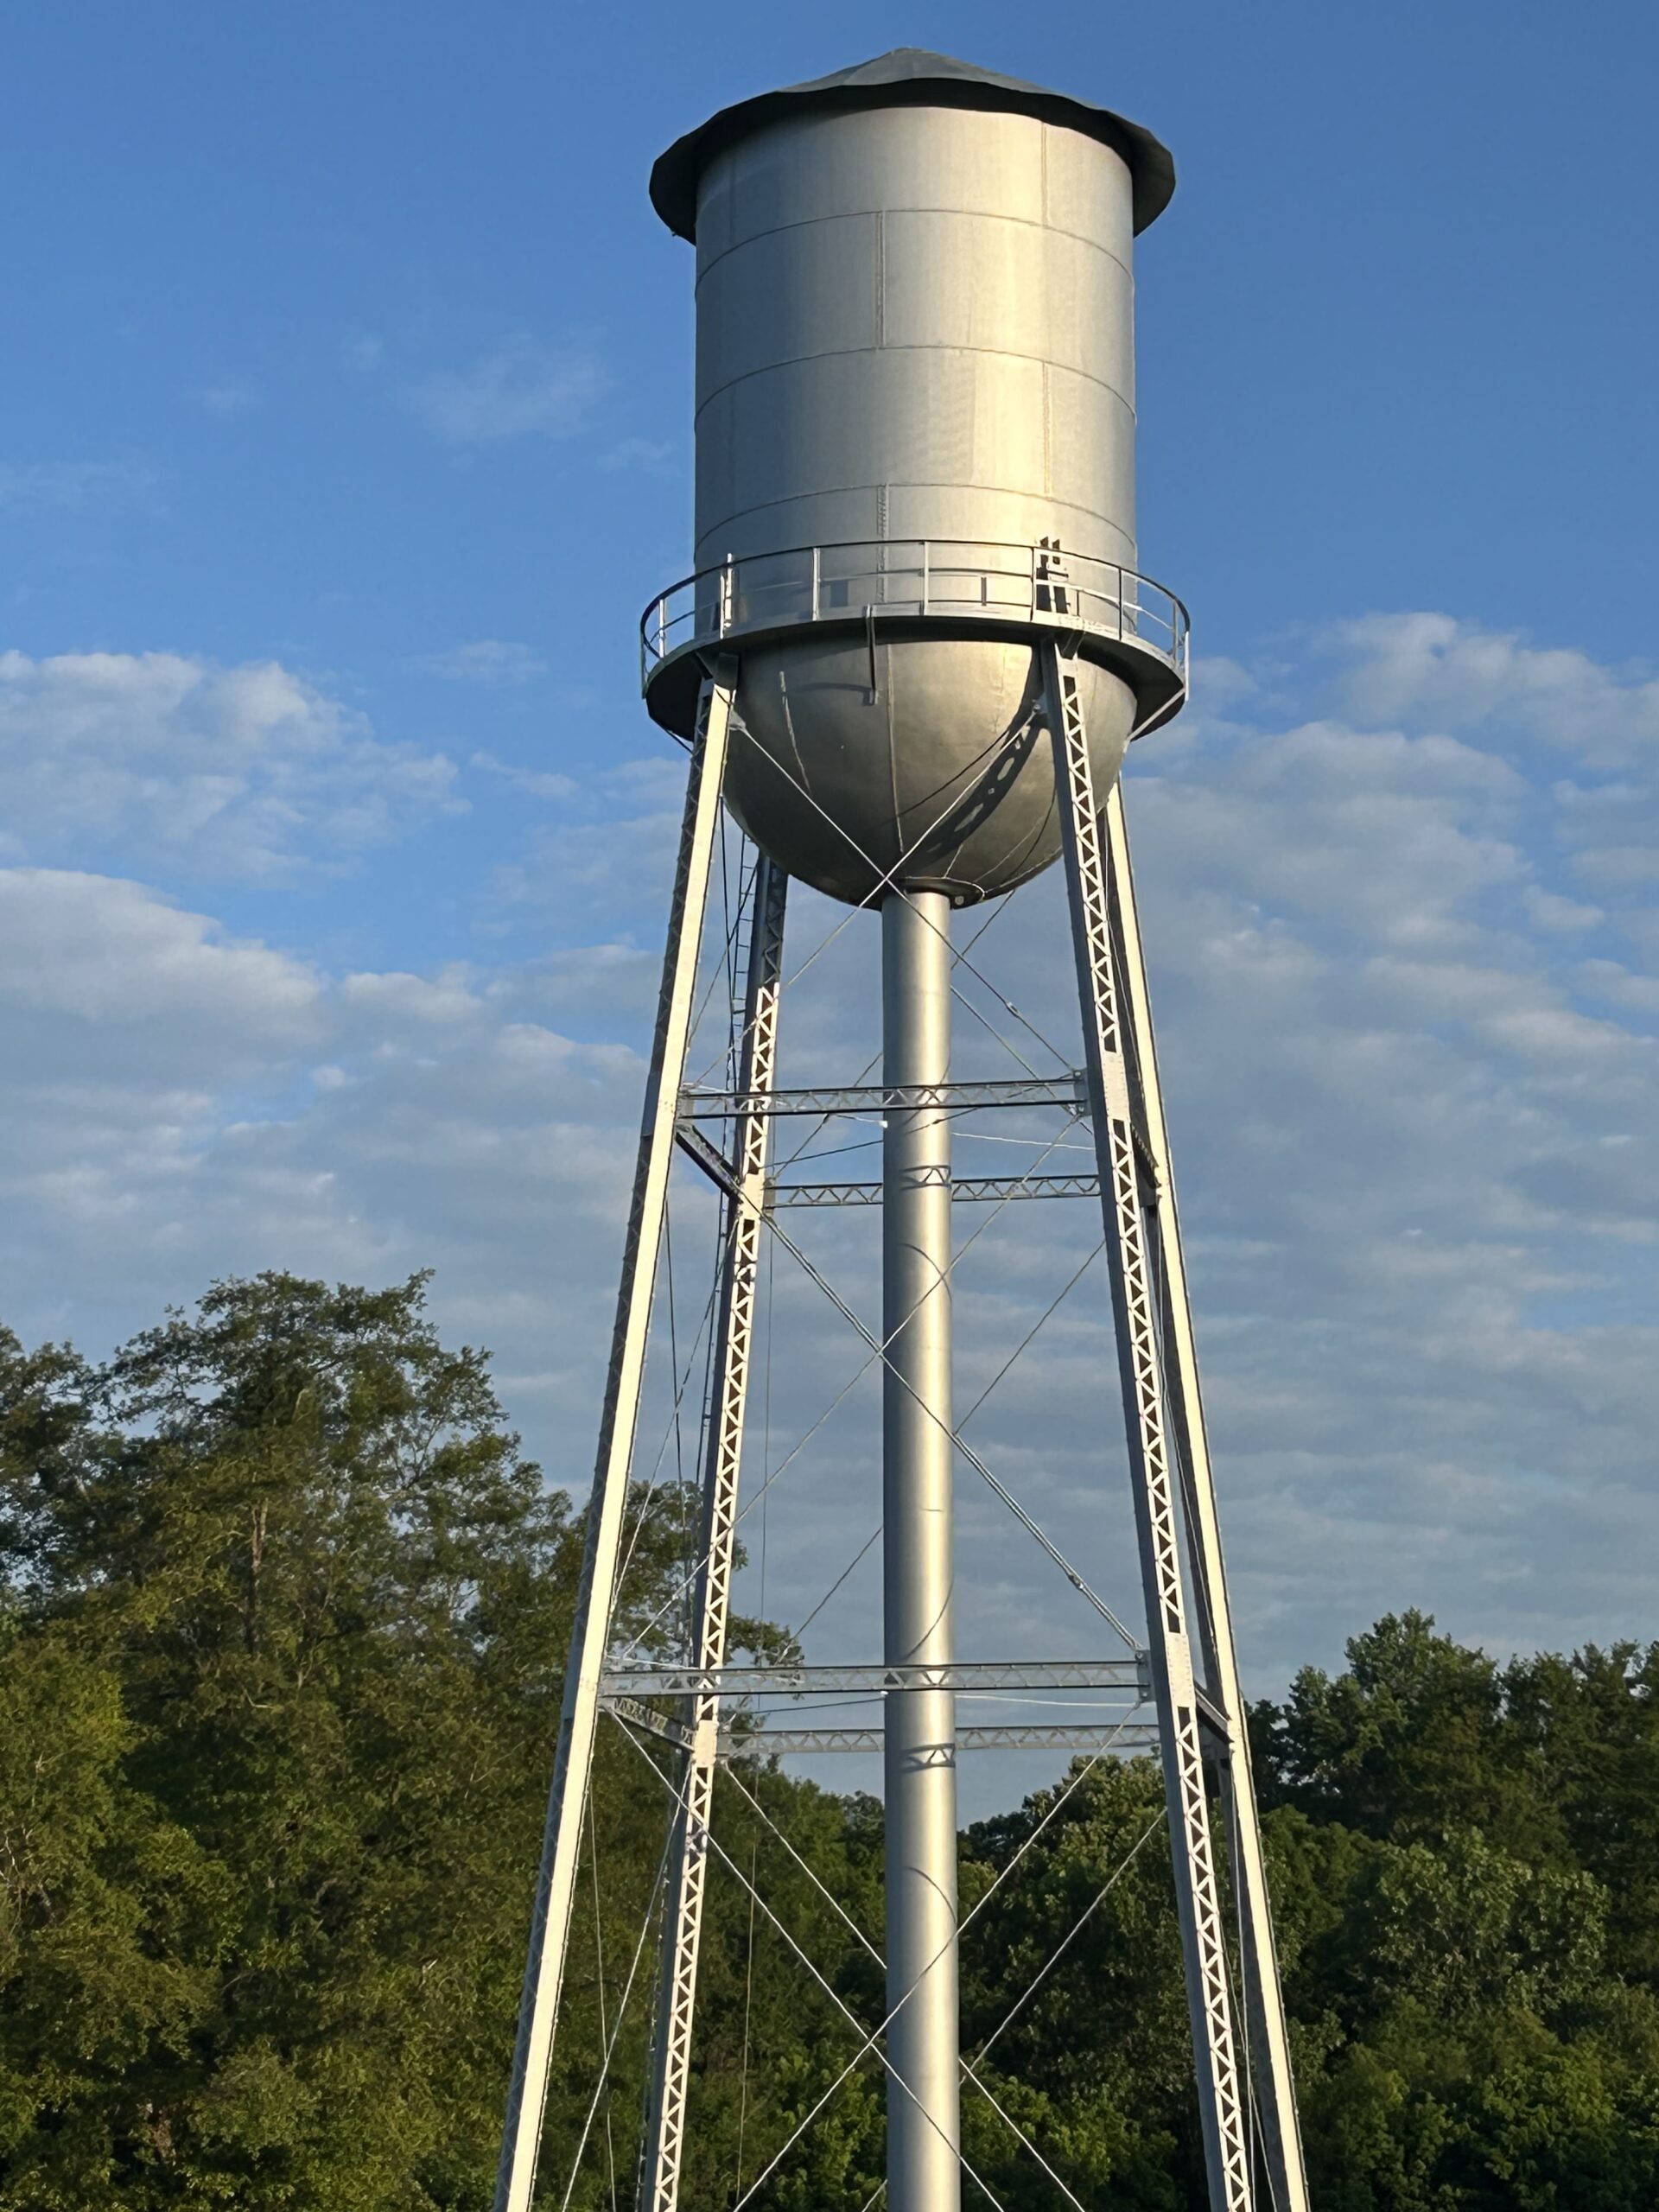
(924, 2095)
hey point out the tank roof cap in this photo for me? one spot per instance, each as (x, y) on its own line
(908, 76)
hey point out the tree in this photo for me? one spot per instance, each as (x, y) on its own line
(284, 1619)
(283, 1623)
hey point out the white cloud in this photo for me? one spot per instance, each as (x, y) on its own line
(521, 389)
(1416, 666)
(540, 782)
(73, 486)
(486, 660)
(652, 455)
(233, 397)
(251, 771)
(98, 950)
(1413, 1078)
(178, 1103)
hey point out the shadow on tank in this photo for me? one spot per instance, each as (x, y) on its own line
(919, 761)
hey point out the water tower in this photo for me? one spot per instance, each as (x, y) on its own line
(909, 662)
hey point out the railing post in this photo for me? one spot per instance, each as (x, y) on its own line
(926, 552)
(818, 558)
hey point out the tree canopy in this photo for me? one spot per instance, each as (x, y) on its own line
(283, 1618)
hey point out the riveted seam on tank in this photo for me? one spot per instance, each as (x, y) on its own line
(801, 775)
(909, 484)
(967, 352)
(862, 214)
(881, 277)
(725, 522)
(899, 824)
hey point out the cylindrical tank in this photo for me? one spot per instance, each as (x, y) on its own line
(914, 331)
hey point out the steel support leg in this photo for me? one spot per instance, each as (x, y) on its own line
(1275, 2096)
(550, 1924)
(1130, 1235)
(924, 2095)
(659, 2185)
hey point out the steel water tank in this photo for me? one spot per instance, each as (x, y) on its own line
(915, 444)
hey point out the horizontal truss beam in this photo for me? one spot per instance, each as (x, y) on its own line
(967, 1675)
(968, 1190)
(1116, 1736)
(747, 1741)
(1067, 1090)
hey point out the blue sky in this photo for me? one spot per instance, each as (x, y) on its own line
(345, 430)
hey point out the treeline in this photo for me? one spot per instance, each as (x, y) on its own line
(282, 1616)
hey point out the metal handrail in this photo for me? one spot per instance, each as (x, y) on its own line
(956, 579)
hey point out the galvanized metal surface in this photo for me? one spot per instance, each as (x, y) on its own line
(697, 1104)
(914, 323)
(965, 1190)
(892, 590)
(908, 76)
(915, 354)
(1125, 1737)
(918, 1562)
(734, 1343)
(550, 1916)
(967, 1675)
(1127, 1202)
(1269, 2042)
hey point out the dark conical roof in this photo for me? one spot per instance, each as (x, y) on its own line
(908, 76)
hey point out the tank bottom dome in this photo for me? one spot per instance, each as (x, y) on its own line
(940, 769)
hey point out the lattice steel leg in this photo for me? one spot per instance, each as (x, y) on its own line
(659, 2185)
(1128, 1233)
(1275, 2095)
(550, 1924)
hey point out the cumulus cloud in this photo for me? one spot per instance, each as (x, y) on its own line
(95, 950)
(651, 456)
(250, 770)
(1413, 1071)
(486, 660)
(522, 388)
(236, 396)
(74, 487)
(1416, 666)
(180, 1102)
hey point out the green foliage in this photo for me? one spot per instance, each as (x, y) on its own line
(285, 1613)
(1465, 1858)
(283, 1618)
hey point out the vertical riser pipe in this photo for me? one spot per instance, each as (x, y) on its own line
(923, 2090)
